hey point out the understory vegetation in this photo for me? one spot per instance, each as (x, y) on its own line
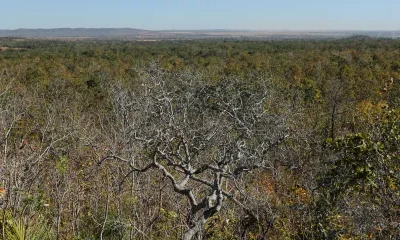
(288, 139)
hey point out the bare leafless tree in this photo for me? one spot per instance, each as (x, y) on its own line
(202, 138)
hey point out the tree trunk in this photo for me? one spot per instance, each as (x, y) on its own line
(193, 231)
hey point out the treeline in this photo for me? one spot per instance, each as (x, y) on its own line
(200, 139)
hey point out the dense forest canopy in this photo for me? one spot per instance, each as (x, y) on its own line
(202, 139)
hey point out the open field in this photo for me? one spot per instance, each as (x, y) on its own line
(8, 48)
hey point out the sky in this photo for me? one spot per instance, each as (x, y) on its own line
(203, 14)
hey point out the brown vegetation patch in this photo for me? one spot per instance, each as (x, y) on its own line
(2, 49)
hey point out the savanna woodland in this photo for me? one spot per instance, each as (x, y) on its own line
(202, 139)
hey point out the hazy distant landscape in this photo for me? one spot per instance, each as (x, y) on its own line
(140, 34)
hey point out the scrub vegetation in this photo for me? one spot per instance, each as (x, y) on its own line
(202, 139)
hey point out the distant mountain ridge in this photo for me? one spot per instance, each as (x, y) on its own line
(73, 32)
(141, 34)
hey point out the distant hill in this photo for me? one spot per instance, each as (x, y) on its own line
(74, 32)
(141, 34)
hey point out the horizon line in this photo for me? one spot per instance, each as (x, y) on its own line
(211, 29)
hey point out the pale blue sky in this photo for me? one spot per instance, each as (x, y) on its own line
(203, 14)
